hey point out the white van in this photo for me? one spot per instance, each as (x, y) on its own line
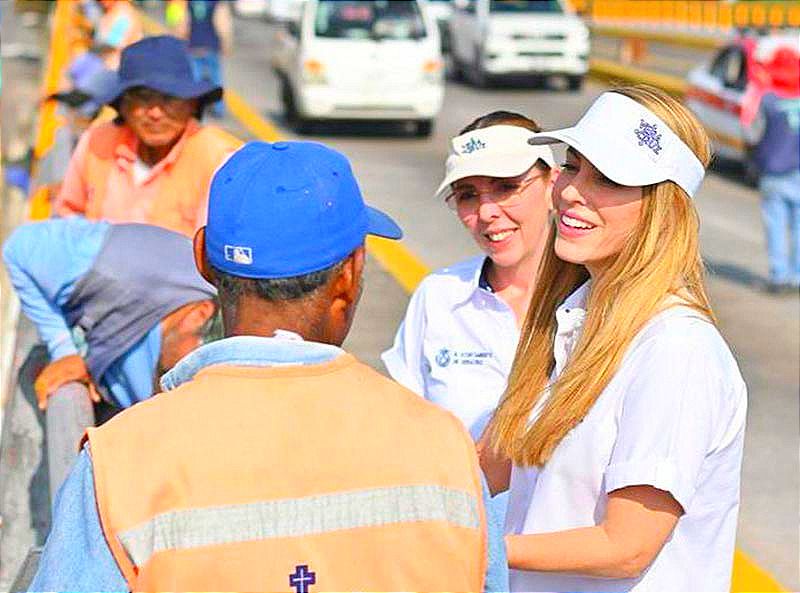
(493, 38)
(360, 59)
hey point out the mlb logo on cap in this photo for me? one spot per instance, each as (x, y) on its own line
(239, 254)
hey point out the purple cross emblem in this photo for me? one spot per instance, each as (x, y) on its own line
(302, 578)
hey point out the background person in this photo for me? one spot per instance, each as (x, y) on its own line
(154, 163)
(208, 28)
(296, 465)
(127, 294)
(625, 411)
(119, 26)
(82, 107)
(457, 341)
(774, 135)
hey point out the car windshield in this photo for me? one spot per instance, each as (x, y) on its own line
(525, 6)
(362, 19)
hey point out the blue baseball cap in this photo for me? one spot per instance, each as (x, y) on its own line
(287, 209)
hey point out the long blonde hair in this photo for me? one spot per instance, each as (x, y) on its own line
(660, 258)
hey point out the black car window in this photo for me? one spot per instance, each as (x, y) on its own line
(730, 69)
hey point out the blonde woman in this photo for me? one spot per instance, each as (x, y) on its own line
(621, 431)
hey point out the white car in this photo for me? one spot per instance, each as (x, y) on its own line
(717, 89)
(494, 38)
(359, 59)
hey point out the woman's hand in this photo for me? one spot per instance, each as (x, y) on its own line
(638, 521)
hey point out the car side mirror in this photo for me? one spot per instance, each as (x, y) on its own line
(294, 28)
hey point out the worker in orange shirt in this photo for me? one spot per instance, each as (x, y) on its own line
(153, 164)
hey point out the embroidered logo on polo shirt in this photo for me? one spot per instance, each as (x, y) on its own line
(648, 136)
(473, 145)
(239, 255)
(446, 357)
(443, 357)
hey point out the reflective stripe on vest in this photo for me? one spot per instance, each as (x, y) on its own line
(296, 517)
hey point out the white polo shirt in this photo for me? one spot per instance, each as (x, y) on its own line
(672, 417)
(456, 344)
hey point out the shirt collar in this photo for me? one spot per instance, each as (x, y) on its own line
(125, 151)
(483, 276)
(283, 349)
(570, 316)
(478, 282)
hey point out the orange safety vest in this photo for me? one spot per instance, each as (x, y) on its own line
(176, 196)
(322, 477)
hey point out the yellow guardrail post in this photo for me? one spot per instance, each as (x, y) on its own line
(39, 207)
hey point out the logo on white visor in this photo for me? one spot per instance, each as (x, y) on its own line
(648, 136)
(239, 255)
(473, 145)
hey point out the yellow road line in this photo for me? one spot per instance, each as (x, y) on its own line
(749, 577)
(399, 261)
(249, 118)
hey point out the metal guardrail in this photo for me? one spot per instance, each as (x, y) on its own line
(69, 413)
(611, 71)
(27, 571)
(682, 39)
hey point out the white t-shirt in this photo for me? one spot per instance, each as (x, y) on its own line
(140, 171)
(672, 417)
(456, 344)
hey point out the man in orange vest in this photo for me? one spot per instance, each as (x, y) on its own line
(154, 163)
(274, 460)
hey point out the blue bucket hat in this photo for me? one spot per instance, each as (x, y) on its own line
(162, 64)
(287, 209)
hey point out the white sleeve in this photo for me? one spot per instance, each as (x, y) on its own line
(667, 421)
(404, 360)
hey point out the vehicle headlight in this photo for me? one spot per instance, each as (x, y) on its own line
(433, 71)
(314, 72)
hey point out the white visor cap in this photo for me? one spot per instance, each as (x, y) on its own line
(629, 144)
(496, 151)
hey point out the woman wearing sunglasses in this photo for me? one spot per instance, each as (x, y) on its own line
(457, 341)
(621, 431)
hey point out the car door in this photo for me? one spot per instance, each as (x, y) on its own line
(715, 95)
